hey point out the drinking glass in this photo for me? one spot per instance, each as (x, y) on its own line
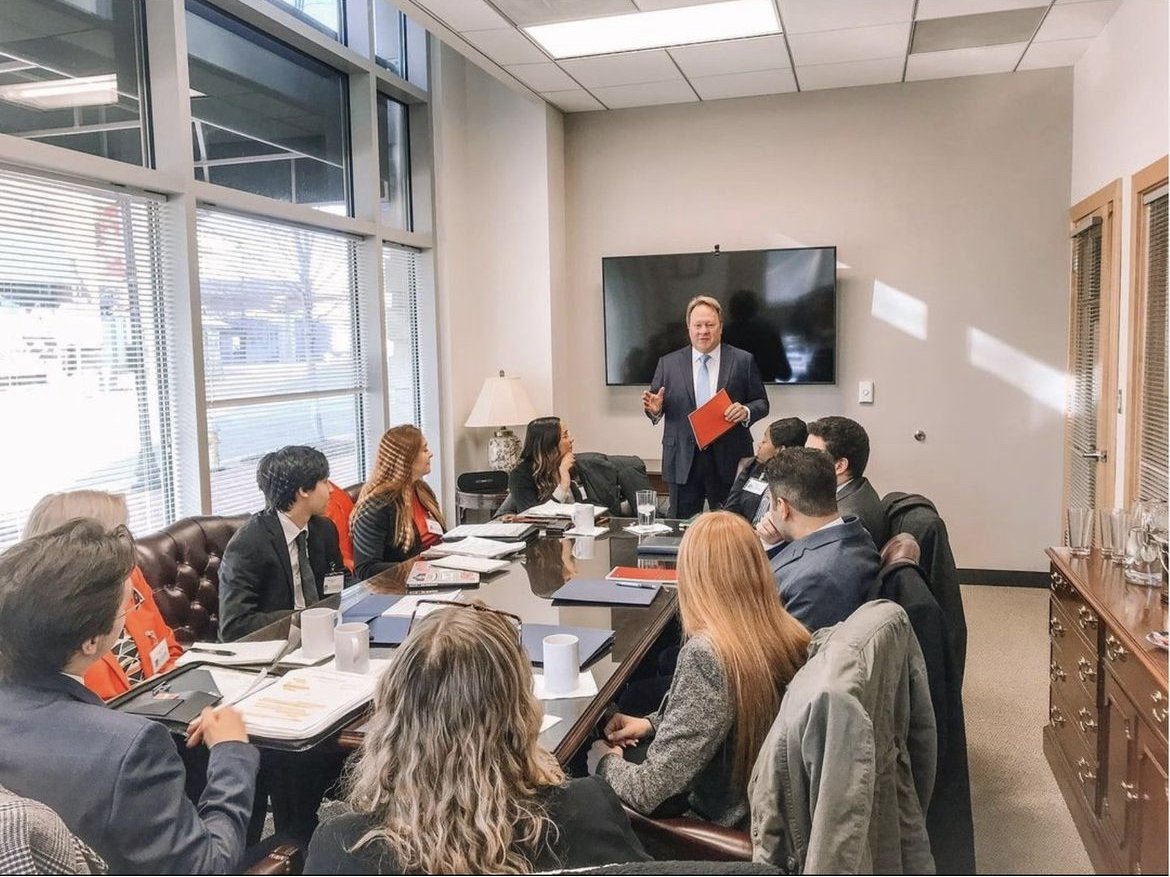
(1080, 531)
(1118, 532)
(1105, 532)
(647, 506)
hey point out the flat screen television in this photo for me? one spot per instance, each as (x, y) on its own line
(780, 305)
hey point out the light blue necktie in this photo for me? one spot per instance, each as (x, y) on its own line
(703, 390)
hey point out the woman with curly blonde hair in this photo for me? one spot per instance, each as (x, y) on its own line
(451, 778)
(396, 515)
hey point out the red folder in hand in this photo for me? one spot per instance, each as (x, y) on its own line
(707, 421)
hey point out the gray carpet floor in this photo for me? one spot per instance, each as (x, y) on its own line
(1022, 825)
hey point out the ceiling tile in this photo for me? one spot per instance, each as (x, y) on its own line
(852, 44)
(576, 101)
(807, 16)
(744, 84)
(964, 62)
(818, 76)
(732, 56)
(528, 12)
(505, 46)
(984, 29)
(645, 94)
(1077, 20)
(628, 68)
(648, 5)
(950, 8)
(543, 77)
(1058, 53)
(461, 15)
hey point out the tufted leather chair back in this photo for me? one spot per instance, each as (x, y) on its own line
(181, 562)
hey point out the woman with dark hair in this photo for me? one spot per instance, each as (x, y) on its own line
(748, 496)
(452, 779)
(547, 467)
(396, 515)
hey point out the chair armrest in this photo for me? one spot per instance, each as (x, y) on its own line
(692, 839)
(286, 858)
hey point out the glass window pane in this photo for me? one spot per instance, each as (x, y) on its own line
(389, 26)
(84, 333)
(394, 162)
(325, 15)
(265, 118)
(71, 74)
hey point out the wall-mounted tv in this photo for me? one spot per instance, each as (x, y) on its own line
(781, 305)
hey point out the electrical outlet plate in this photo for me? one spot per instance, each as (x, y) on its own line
(865, 392)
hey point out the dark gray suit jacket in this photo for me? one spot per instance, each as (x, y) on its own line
(740, 376)
(859, 498)
(826, 575)
(117, 780)
(739, 500)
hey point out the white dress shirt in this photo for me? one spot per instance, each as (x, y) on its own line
(712, 370)
(291, 531)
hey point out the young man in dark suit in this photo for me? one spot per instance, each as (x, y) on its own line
(826, 564)
(684, 381)
(847, 442)
(286, 557)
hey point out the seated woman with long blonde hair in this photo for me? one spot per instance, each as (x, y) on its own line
(396, 515)
(740, 652)
(451, 778)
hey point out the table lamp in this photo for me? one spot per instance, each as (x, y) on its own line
(502, 403)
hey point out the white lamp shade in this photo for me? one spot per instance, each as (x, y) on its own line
(501, 402)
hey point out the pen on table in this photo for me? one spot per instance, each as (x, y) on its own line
(648, 586)
(211, 651)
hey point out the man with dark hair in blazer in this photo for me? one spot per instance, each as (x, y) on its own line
(847, 443)
(683, 381)
(826, 564)
(286, 557)
(115, 779)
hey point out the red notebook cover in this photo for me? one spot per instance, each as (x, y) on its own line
(642, 574)
(707, 421)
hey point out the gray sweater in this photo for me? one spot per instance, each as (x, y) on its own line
(692, 747)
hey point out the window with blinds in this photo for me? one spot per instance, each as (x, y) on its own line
(281, 349)
(1155, 412)
(410, 371)
(85, 389)
(1086, 378)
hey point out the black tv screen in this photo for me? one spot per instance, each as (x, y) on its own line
(780, 305)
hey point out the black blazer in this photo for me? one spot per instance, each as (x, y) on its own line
(522, 492)
(740, 376)
(372, 533)
(593, 830)
(744, 502)
(255, 575)
(859, 498)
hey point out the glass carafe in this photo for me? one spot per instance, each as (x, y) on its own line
(1145, 544)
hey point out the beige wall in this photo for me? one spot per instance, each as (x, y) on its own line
(947, 200)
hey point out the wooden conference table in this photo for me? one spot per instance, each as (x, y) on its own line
(523, 589)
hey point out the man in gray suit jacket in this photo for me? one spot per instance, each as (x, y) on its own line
(847, 443)
(115, 779)
(683, 381)
(826, 564)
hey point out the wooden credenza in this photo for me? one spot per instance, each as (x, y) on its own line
(1106, 734)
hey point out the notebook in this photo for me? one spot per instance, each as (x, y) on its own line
(591, 641)
(707, 422)
(643, 574)
(606, 592)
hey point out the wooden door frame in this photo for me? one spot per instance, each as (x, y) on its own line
(1148, 178)
(1106, 203)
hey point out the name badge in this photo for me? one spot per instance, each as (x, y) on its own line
(334, 583)
(159, 655)
(433, 527)
(756, 486)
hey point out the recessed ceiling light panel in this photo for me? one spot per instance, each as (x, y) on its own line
(706, 23)
(58, 94)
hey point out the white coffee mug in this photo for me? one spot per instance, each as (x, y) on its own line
(583, 517)
(317, 632)
(352, 647)
(562, 667)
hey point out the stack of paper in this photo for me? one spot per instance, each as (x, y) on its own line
(306, 702)
(477, 547)
(490, 530)
(232, 654)
(552, 509)
(474, 564)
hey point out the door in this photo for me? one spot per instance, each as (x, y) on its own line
(1149, 853)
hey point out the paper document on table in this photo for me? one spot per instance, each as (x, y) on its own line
(553, 509)
(230, 654)
(233, 683)
(547, 722)
(408, 606)
(474, 564)
(305, 702)
(490, 530)
(474, 546)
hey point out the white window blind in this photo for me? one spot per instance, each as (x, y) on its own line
(1155, 410)
(1085, 388)
(281, 349)
(85, 391)
(410, 369)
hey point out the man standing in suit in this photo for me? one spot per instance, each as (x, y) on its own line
(685, 380)
(847, 443)
(114, 778)
(829, 564)
(286, 557)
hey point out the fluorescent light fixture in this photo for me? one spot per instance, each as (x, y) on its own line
(706, 23)
(59, 94)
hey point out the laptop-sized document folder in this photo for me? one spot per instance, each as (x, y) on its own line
(607, 592)
(707, 421)
(591, 641)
